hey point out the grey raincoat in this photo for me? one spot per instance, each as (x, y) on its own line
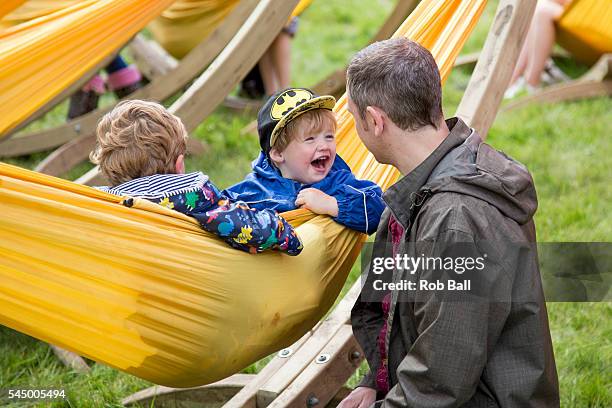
(488, 347)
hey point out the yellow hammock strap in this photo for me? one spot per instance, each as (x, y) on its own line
(585, 29)
(41, 57)
(301, 6)
(144, 290)
(7, 6)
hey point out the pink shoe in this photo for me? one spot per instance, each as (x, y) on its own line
(125, 81)
(86, 99)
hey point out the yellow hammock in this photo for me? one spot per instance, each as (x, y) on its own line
(144, 290)
(43, 56)
(8, 6)
(31, 9)
(186, 23)
(585, 29)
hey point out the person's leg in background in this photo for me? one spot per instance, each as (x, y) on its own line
(543, 25)
(281, 58)
(86, 99)
(268, 72)
(123, 79)
(535, 54)
(275, 64)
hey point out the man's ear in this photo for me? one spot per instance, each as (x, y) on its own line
(276, 156)
(180, 164)
(375, 118)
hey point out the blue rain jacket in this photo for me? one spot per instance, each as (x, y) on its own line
(360, 203)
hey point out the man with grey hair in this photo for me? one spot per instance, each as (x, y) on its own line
(486, 343)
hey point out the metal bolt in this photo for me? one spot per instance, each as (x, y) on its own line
(284, 353)
(323, 358)
(355, 355)
(312, 401)
(128, 202)
(77, 128)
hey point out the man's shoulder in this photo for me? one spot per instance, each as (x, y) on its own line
(454, 211)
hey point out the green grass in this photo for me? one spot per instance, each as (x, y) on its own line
(564, 145)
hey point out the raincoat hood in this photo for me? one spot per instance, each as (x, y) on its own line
(475, 168)
(463, 164)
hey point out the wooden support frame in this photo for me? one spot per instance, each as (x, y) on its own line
(153, 61)
(597, 82)
(159, 89)
(233, 63)
(70, 359)
(320, 380)
(92, 178)
(243, 104)
(492, 73)
(212, 395)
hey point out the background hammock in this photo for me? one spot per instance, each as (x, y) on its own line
(41, 57)
(585, 29)
(184, 24)
(144, 290)
(73, 28)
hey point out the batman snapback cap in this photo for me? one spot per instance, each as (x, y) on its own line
(284, 106)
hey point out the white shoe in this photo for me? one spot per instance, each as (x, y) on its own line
(530, 89)
(517, 87)
(552, 74)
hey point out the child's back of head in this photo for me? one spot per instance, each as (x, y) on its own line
(137, 139)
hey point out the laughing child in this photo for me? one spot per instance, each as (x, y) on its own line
(298, 166)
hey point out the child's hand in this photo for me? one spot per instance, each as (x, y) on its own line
(317, 201)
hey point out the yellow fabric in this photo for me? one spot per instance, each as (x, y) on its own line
(7, 6)
(585, 29)
(43, 56)
(187, 23)
(299, 9)
(32, 9)
(144, 290)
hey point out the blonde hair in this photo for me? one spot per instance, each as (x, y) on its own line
(307, 122)
(138, 139)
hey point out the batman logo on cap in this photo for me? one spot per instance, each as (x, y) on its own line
(288, 101)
